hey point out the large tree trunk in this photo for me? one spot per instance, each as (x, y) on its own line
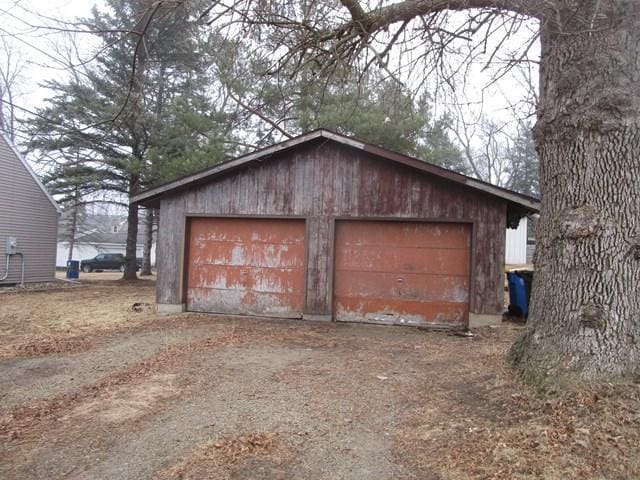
(132, 234)
(148, 242)
(73, 230)
(584, 323)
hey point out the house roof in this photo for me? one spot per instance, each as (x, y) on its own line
(152, 196)
(97, 229)
(26, 165)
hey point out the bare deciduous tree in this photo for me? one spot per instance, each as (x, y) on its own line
(10, 70)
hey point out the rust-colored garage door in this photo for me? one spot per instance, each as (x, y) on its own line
(246, 266)
(402, 272)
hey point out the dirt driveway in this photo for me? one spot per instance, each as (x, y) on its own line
(95, 387)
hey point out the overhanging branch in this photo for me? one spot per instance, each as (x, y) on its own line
(380, 18)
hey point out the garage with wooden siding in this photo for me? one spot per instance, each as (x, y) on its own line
(326, 227)
(246, 266)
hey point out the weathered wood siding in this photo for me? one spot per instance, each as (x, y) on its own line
(27, 214)
(322, 181)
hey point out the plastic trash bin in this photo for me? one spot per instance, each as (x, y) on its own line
(73, 269)
(527, 276)
(518, 304)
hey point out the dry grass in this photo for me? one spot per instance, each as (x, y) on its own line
(50, 345)
(498, 429)
(127, 402)
(25, 421)
(57, 321)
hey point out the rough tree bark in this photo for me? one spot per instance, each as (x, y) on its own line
(585, 314)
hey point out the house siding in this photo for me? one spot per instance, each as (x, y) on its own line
(84, 251)
(26, 213)
(324, 181)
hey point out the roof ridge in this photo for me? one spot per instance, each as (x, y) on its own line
(525, 201)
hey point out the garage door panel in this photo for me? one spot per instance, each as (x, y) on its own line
(246, 266)
(413, 234)
(274, 280)
(402, 260)
(245, 231)
(411, 313)
(260, 304)
(448, 288)
(402, 273)
(268, 255)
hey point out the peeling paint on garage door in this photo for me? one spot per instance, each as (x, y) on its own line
(402, 272)
(246, 266)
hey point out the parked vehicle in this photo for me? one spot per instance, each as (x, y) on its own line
(107, 261)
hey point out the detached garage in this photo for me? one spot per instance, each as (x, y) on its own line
(325, 227)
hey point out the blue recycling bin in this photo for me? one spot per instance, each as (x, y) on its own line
(73, 269)
(518, 301)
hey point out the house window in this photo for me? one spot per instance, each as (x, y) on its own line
(115, 229)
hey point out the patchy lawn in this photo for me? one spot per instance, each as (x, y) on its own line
(63, 316)
(93, 388)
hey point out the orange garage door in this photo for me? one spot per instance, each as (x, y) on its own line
(246, 266)
(402, 273)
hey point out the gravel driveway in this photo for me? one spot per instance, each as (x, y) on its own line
(122, 394)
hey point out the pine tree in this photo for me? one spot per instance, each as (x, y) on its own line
(524, 171)
(147, 85)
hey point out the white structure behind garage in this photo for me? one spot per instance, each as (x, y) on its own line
(84, 251)
(516, 244)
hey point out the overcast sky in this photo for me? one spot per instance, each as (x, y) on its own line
(32, 27)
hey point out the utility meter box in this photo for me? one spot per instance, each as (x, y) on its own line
(11, 246)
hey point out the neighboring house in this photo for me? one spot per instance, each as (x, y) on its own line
(29, 215)
(325, 227)
(96, 233)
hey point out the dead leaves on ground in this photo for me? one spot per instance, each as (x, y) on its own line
(215, 458)
(590, 433)
(49, 345)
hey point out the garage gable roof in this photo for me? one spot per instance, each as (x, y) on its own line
(528, 203)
